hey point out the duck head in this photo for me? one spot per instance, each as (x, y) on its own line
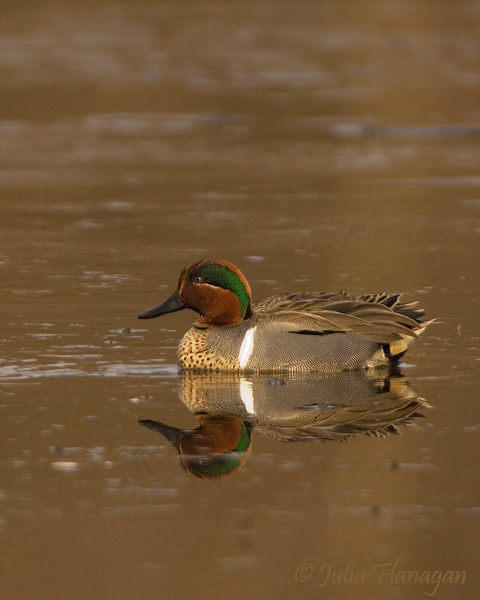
(215, 449)
(215, 289)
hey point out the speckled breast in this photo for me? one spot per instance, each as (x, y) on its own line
(275, 347)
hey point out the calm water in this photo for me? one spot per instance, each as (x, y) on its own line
(318, 146)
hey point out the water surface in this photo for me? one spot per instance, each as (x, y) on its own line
(318, 146)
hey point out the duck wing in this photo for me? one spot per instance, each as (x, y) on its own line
(381, 318)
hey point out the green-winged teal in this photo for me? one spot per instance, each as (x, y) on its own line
(296, 332)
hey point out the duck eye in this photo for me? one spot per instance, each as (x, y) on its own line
(198, 279)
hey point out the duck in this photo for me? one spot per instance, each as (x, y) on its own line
(300, 332)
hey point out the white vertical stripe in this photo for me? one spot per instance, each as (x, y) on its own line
(246, 348)
(246, 394)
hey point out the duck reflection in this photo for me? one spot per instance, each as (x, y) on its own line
(216, 448)
(291, 409)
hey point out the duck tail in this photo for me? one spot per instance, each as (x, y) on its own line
(396, 349)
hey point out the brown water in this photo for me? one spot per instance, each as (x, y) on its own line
(317, 145)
